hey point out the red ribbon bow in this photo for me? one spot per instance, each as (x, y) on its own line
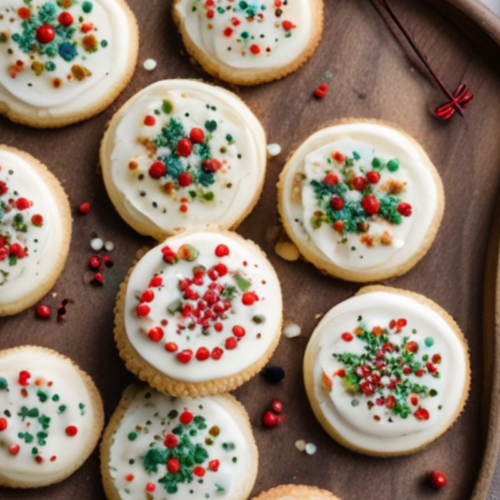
(460, 100)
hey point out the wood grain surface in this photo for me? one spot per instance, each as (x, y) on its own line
(369, 77)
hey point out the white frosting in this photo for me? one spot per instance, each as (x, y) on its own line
(194, 104)
(351, 250)
(43, 243)
(243, 260)
(54, 390)
(228, 36)
(105, 67)
(149, 418)
(349, 413)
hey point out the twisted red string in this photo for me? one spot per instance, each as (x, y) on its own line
(462, 96)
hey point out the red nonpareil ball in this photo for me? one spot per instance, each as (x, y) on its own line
(43, 311)
(277, 406)
(438, 479)
(370, 205)
(84, 208)
(321, 91)
(270, 419)
(45, 33)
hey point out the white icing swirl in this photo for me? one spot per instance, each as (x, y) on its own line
(369, 421)
(238, 142)
(41, 243)
(258, 35)
(149, 418)
(386, 245)
(87, 57)
(42, 407)
(247, 269)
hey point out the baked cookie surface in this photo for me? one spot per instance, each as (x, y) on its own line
(35, 230)
(387, 371)
(199, 314)
(164, 447)
(64, 61)
(361, 200)
(247, 43)
(51, 417)
(182, 152)
(296, 492)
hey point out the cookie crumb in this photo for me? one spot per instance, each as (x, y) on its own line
(273, 149)
(150, 64)
(291, 331)
(287, 251)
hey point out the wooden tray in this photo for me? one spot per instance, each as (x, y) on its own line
(369, 77)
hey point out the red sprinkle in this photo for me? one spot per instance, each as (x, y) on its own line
(270, 419)
(197, 135)
(71, 431)
(249, 298)
(45, 33)
(217, 353)
(171, 347)
(147, 296)
(186, 417)
(422, 414)
(65, 19)
(185, 179)
(24, 377)
(24, 13)
(14, 449)
(185, 356)
(156, 281)
(277, 406)
(150, 487)
(170, 441)
(84, 208)
(3, 424)
(22, 204)
(337, 203)
(254, 49)
(231, 343)
(213, 465)
(173, 465)
(373, 176)
(222, 251)
(370, 205)
(331, 179)
(347, 337)
(438, 479)
(321, 91)
(43, 311)
(94, 262)
(143, 310)
(98, 279)
(359, 183)
(150, 121)
(238, 331)
(199, 471)
(156, 334)
(228, 32)
(184, 147)
(202, 354)
(404, 209)
(157, 169)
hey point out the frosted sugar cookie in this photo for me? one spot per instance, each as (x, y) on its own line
(51, 417)
(387, 372)
(296, 492)
(182, 152)
(361, 201)
(64, 61)
(35, 230)
(199, 314)
(250, 42)
(156, 447)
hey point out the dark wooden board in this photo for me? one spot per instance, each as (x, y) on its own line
(369, 77)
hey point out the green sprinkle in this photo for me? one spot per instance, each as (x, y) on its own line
(132, 436)
(42, 396)
(356, 155)
(393, 165)
(167, 107)
(245, 35)
(50, 66)
(429, 341)
(354, 402)
(3, 384)
(104, 43)
(208, 196)
(61, 409)
(377, 163)
(87, 7)
(34, 451)
(55, 398)
(211, 125)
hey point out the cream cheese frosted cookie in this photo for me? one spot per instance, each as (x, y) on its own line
(296, 492)
(64, 61)
(199, 314)
(157, 447)
(35, 230)
(361, 201)
(387, 372)
(182, 152)
(250, 42)
(51, 417)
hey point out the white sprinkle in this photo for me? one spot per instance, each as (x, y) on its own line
(150, 64)
(96, 244)
(109, 246)
(300, 445)
(291, 331)
(311, 448)
(273, 149)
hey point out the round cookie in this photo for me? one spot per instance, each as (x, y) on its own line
(182, 152)
(160, 447)
(361, 201)
(64, 61)
(51, 417)
(35, 230)
(247, 43)
(199, 314)
(296, 492)
(387, 372)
